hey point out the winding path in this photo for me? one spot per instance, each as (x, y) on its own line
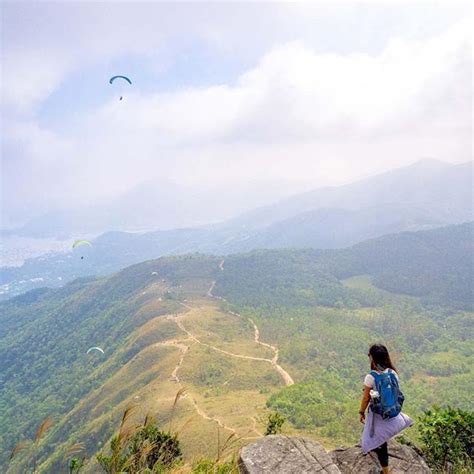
(174, 376)
(183, 348)
(286, 377)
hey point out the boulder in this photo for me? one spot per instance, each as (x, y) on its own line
(286, 455)
(402, 459)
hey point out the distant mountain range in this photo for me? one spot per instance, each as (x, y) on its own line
(425, 195)
(430, 192)
(156, 204)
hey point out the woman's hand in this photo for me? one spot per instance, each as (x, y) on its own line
(362, 417)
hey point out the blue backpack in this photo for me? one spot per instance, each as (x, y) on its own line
(390, 400)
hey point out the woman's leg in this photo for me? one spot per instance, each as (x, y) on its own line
(382, 454)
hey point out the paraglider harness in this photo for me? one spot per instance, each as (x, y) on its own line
(389, 398)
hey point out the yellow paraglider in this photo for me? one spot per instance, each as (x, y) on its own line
(78, 243)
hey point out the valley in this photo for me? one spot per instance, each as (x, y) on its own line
(210, 346)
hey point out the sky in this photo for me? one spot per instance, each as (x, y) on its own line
(290, 95)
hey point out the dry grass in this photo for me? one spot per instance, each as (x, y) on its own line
(19, 447)
(43, 427)
(235, 399)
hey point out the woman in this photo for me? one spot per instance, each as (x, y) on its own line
(377, 430)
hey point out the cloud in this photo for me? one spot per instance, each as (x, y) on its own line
(27, 79)
(299, 112)
(297, 94)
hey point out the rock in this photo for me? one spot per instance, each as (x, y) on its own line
(402, 459)
(285, 455)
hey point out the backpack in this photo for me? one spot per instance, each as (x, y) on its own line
(390, 400)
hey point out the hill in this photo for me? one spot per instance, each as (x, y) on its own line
(426, 195)
(288, 315)
(440, 191)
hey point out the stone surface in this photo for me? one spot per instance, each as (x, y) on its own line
(402, 459)
(286, 455)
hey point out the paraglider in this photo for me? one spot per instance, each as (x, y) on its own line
(78, 243)
(124, 78)
(99, 349)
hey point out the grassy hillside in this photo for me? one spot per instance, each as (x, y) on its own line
(162, 329)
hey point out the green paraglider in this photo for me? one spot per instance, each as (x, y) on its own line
(125, 78)
(122, 78)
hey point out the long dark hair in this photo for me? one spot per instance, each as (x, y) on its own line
(380, 358)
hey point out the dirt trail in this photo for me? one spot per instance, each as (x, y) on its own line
(209, 291)
(174, 375)
(210, 418)
(183, 348)
(254, 428)
(222, 351)
(285, 376)
(180, 344)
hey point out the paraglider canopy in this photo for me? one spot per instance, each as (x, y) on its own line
(125, 78)
(95, 349)
(78, 243)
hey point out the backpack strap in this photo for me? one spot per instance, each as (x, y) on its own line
(374, 374)
(376, 377)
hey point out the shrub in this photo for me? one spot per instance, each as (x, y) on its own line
(448, 437)
(275, 422)
(141, 449)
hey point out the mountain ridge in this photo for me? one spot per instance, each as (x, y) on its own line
(415, 200)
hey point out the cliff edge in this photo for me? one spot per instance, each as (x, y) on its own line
(279, 454)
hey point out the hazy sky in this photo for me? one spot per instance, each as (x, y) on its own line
(306, 94)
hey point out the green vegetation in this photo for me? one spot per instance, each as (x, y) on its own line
(326, 348)
(208, 466)
(435, 265)
(45, 334)
(275, 423)
(447, 435)
(321, 308)
(140, 449)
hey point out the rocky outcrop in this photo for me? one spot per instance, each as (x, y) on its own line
(294, 455)
(402, 459)
(285, 455)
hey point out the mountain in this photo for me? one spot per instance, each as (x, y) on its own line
(426, 195)
(291, 335)
(152, 205)
(441, 190)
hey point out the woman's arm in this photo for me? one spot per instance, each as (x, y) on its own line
(364, 403)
